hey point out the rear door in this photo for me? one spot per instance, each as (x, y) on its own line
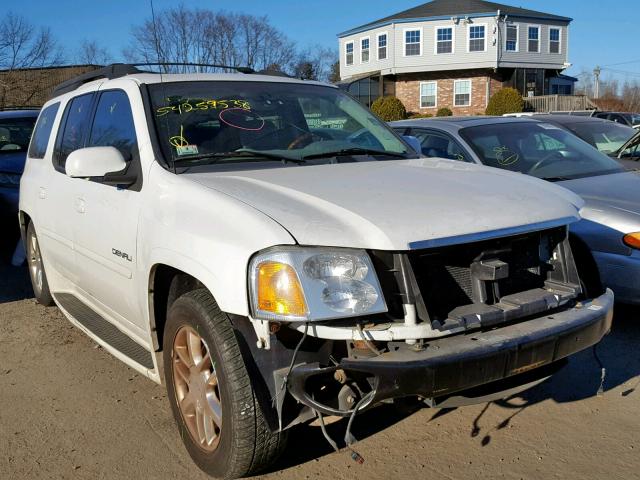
(106, 224)
(56, 209)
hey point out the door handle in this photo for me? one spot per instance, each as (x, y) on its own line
(80, 205)
(42, 194)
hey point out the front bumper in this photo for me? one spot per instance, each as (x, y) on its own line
(464, 361)
(620, 273)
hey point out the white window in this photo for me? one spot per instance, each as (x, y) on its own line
(444, 40)
(554, 40)
(477, 38)
(533, 36)
(512, 38)
(364, 49)
(348, 51)
(462, 93)
(428, 94)
(382, 46)
(412, 42)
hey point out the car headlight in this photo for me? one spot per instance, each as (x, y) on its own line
(310, 284)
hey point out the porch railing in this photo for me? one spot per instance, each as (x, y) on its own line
(558, 103)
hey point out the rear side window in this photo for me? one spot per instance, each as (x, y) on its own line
(113, 124)
(75, 127)
(42, 133)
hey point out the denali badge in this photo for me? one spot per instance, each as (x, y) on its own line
(120, 254)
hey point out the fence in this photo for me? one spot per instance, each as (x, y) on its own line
(559, 103)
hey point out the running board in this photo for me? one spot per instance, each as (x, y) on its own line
(105, 330)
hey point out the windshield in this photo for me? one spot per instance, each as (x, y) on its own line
(608, 137)
(15, 134)
(539, 149)
(217, 121)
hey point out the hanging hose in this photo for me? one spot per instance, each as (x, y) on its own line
(603, 371)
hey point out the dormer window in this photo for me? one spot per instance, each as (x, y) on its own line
(412, 43)
(477, 38)
(364, 50)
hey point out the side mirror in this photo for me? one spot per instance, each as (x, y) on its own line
(414, 143)
(99, 162)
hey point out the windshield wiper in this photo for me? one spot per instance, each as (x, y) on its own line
(556, 179)
(215, 157)
(353, 151)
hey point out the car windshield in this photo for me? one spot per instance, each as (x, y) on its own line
(15, 134)
(539, 149)
(215, 121)
(608, 137)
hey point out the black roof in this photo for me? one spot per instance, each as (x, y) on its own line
(451, 8)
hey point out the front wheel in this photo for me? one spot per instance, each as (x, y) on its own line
(210, 391)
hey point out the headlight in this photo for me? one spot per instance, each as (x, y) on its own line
(309, 284)
(632, 240)
(10, 180)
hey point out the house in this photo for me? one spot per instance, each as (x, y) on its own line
(456, 54)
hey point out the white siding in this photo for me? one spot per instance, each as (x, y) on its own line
(494, 56)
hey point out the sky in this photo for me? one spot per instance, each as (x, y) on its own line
(603, 32)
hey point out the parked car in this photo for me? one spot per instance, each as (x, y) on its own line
(614, 139)
(274, 253)
(624, 118)
(15, 132)
(606, 136)
(609, 234)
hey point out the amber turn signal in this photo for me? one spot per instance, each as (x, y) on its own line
(279, 290)
(632, 240)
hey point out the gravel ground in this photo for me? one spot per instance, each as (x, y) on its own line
(70, 410)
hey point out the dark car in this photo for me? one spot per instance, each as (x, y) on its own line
(624, 118)
(16, 127)
(613, 139)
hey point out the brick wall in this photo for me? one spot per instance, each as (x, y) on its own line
(408, 90)
(31, 87)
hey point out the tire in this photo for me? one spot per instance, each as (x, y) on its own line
(36, 268)
(242, 444)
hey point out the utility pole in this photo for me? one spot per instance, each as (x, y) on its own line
(596, 74)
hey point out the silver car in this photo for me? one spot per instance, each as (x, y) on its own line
(608, 239)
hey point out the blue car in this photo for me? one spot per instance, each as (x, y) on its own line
(16, 127)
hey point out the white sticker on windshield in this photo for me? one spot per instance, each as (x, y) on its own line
(548, 126)
(187, 149)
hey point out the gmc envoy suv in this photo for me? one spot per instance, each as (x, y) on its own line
(275, 254)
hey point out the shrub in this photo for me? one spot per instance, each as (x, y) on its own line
(507, 100)
(389, 109)
(444, 112)
(421, 115)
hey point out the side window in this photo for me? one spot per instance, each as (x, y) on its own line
(75, 128)
(113, 124)
(439, 145)
(41, 135)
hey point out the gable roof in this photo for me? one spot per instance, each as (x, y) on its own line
(451, 8)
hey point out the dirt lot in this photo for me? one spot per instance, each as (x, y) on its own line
(70, 410)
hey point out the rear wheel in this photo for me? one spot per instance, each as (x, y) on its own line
(210, 391)
(36, 269)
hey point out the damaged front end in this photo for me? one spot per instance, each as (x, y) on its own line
(463, 324)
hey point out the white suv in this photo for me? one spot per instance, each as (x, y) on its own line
(275, 253)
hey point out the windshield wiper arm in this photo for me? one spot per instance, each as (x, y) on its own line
(215, 157)
(354, 151)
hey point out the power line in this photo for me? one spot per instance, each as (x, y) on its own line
(621, 63)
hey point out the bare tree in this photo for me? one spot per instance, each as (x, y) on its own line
(90, 53)
(22, 46)
(317, 61)
(184, 35)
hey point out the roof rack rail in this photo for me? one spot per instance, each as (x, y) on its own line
(117, 70)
